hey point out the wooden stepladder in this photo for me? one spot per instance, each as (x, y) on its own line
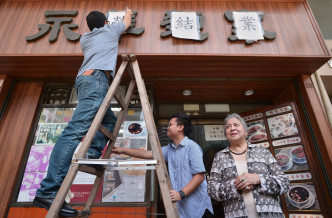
(130, 64)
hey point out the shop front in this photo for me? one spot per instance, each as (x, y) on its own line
(266, 81)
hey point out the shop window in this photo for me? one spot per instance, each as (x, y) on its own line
(58, 106)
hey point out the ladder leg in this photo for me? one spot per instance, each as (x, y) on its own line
(120, 118)
(163, 177)
(60, 197)
(93, 194)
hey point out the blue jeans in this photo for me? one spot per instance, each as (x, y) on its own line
(91, 91)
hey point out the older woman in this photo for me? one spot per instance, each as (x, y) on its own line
(246, 178)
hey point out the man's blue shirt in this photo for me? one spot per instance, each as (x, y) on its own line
(184, 161)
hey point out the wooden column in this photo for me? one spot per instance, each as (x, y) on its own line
(15, 128)
(319, 134)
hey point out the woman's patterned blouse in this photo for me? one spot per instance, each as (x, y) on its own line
(266, 195)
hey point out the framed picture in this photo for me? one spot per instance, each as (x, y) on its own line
(302, 197)
(282, 126)
(256, 131)
(49, 133)
(291, 158)
(134, 129)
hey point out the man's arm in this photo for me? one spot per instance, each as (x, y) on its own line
(189, 188)
(138, 153)
(127, 18)
(194, 183)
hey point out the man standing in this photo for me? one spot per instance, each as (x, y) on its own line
(100, 48)
(186, 168)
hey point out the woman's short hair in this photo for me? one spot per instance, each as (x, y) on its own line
(237, 116)
(183, 119)
(95, 19)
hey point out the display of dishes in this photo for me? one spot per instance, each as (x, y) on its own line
(289, 131)
(135, 128)
(254, 128)
(284, 161)
(258, 137)
(299, 196)
(298, 155)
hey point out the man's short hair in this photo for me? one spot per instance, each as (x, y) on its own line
(95, 19)
(183, 119)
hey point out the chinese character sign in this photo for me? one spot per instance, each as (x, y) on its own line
(58, 19)
(115, 16)
(185, 25)
(248, 26)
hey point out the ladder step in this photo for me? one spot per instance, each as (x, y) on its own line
(106, 133)
(120, 100)
(90, 170)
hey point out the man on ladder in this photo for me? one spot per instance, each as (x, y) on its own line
(100, 48)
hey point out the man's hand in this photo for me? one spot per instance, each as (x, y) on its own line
(127, 18)
(118, 150)
(175, 195)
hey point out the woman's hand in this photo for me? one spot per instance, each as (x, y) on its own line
(246, 182)
(175, 195)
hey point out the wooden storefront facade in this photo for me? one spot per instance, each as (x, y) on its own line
(216, 70)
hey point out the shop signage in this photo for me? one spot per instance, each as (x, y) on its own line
(253, 117)
(286, 141)
(299, 176)
(305, 216)
(58, 19)
(114, 16)
(247, 25)
(214, 132)
(278, 111)
(184, 25)
(263, 144)
(64, 19)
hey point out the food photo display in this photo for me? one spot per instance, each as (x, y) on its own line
(282, 126)
(291, 158)
(256, 131)
(302, 196)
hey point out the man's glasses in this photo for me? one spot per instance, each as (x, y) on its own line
(170, 124)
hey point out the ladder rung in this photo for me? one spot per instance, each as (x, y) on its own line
(120, 100)
(106, 133)
(90, 170)
(113, 162)
(133, 168)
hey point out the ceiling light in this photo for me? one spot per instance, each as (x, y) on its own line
(186, 92)
(249, 92)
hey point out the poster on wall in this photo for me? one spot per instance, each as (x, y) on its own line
(291, 158)
(30, 184)
(256, 131)
(125, 185)
(282, 126)
(35, 171)
(49, 133)
(214, 132)
(302, 196)
(134, 129)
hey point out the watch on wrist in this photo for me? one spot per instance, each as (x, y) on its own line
(182, 194)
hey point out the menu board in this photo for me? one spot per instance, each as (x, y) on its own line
(280, 127)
